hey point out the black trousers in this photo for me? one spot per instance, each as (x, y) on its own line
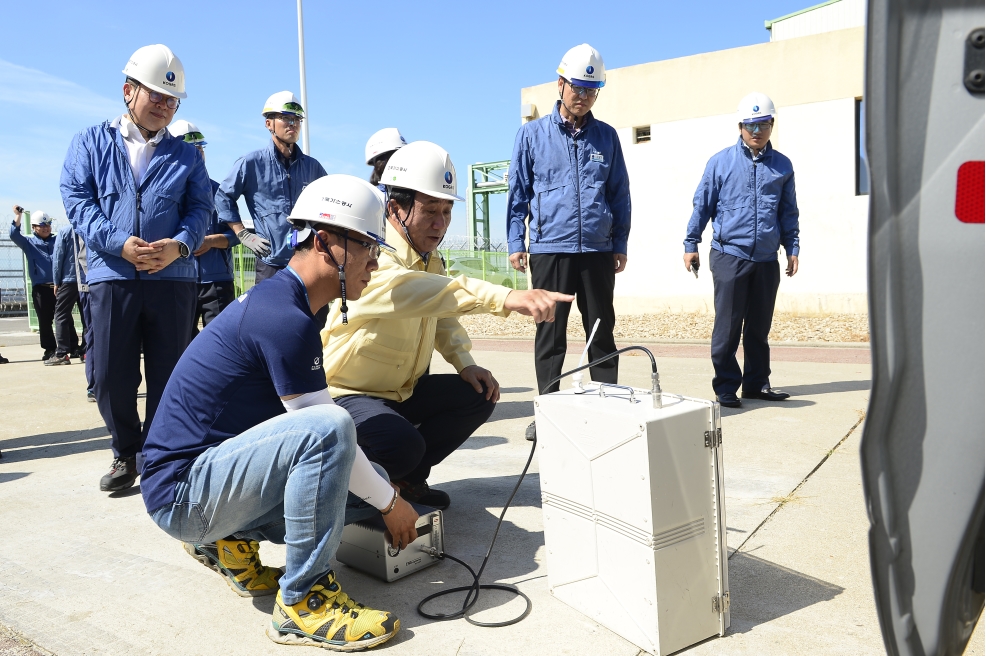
(87, 336)
(66, 337)
(43, 297)
(591, 277)
(744, 298)
(446, 411)
(265, 271)
(213, 297)
(128, 315)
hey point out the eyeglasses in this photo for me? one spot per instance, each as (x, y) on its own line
(373, 247)
(156, 97)
(583, 92)
(754, 128)
(289, 119)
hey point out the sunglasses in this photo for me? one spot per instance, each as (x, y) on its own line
(583, 92)
(754, 128)
(289, 119)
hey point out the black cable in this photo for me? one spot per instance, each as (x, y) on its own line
(473, 590)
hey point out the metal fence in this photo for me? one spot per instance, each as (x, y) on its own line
(15, 287)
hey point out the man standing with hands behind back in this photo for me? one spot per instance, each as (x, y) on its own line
(141, 199)
(748, 192)
(567, 172)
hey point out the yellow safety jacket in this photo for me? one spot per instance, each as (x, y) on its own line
(408, 310)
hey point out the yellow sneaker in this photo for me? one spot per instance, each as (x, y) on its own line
(239, 563)
(327, 617)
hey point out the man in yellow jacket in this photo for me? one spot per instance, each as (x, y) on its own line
(377, 352)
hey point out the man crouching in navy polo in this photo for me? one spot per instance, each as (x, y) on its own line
(248, 445)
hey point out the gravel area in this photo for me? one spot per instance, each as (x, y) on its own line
(686, 326)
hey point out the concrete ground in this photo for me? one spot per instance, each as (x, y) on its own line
(82, 572)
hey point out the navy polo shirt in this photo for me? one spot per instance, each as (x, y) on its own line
(264, 346)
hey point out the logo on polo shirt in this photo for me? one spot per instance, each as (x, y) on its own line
(317, 365)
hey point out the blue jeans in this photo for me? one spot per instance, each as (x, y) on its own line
(285, 481)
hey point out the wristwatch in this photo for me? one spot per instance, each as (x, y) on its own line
(183, 250)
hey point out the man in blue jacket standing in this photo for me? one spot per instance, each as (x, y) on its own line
(214, 258)
(270, 180)
(66, 298)
(748, 192)
(141, 199)
(39, 249)
(568, 174)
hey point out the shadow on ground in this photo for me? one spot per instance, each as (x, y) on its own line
(512, 410)
(469, 525)
(761, 591)
(829, 388)
(515, 390)
(482, 441)
(6, 477)
(54, 445)
(755, 404)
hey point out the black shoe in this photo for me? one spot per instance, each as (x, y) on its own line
(57, 360)
(3, 360)
(423, 494)
(48, 354)
(729, 400)
(79, 354)
(122, 474)
(91, 396)
(531, 433)
(766, 394)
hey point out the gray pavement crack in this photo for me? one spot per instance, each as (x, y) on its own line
(797, 487)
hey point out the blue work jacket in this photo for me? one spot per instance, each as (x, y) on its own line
(216, 264)
(105, 205)
(63, 261)
(752, 204)
(575, 188)
(39, 254)
(270, 190)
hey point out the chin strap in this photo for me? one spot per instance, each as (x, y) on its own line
(407, 235)
(341, 267)
(130, 112)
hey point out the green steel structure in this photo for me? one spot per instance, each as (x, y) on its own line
(485, 179)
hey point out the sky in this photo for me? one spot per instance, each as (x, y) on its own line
(445, 73)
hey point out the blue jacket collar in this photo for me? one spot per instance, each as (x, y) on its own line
(556, 117)
(276, 154)
(743, 148)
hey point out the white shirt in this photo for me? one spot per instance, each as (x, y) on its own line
(139, 150)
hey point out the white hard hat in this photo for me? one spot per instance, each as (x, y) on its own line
(383, 141)
(283, 102)
(755, 108)
(340, 200)
(157, 68)
(187, 130)
(40, 218)
(583, 66)
(425, 167)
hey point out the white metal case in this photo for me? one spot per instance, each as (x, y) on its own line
(634, 521)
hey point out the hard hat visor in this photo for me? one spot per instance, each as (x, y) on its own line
(588, 84)
(759, 119)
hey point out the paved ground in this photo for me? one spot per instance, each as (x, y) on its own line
(85, 573)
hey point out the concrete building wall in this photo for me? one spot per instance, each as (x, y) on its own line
(689, 105)
(838, 15)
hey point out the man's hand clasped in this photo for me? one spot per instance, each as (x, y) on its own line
(150, 257)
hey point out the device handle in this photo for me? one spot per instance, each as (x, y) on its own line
(602, 390)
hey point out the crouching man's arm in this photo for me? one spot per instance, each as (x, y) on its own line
(366, 483)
